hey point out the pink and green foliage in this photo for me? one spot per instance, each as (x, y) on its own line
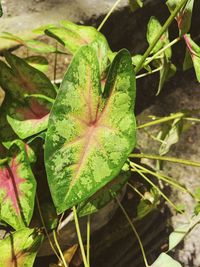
(74, 36)
(29, 93)
(17, 186)
(184, 16)
(90, 133)
(192, 56)
(20, 248)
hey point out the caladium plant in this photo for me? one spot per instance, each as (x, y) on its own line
(17, 186)
(90, 132)
(30, 95)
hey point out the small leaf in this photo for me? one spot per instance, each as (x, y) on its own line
(17, 188)
(27, 114)
(153, 28)
(136, 59)
(165, 260)
(184, 16)
(88, 130)
(38, 62)
(20, 248)
(103, 196)
(181, 231)
(194, 51)
(170, 135)
(135, 4)
(188, 63)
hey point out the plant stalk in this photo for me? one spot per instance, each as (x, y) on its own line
(160, 33)
(79, 237)
(170, 159)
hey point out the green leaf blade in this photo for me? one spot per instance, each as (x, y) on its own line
(17, 188)
(20, 248)
(80, 124)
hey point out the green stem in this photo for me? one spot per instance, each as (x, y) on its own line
(162, 50)
(148, 73)
(79, 237)
(166, 179)
(108, 15)
(135, 167)
(136, 190)
(88, 240)
(160, 33)
(59, 249)
(135, 232)
(45, 229)
(49, 99)
(170, 159)
(162, 120)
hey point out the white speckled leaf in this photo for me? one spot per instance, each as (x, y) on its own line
(89, 135)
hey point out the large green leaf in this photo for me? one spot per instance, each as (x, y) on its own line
(74, 36)
(194, 51)
(184, 16)
(19, 249)
(28, 91)
(17, 186)
(90, 134)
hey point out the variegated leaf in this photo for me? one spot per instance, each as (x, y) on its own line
(17, 186)
(19, 249)
(90, 134)
(29, 92)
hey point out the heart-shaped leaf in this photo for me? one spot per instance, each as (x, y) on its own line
(29, 92)
(17, 187)
(20, 248)
(90, 133)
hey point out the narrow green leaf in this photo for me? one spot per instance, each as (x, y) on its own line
(170, 135)
(153, 28)
(184, 16)
(26, 115)
(89, 135)
(187, 63)
(20, 248)
(136, 60)
(17, 188)
(194, 51)
(103, 196)
(165, 260)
